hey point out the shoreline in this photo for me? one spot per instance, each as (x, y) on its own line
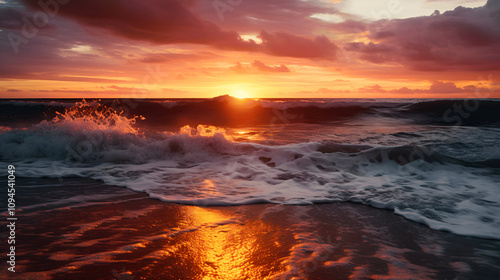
(83, 229)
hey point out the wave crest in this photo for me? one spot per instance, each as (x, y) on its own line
(91, 116)
(92, 132)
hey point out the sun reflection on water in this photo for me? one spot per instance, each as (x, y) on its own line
(224, 248)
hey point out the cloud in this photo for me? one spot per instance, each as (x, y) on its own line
(11, 18)
(173, 22)
(104, 92)
(350, 26)
(158, 21)
(166, 57)
(325, 91)
(463, 39)
(258, 66)
(437, 87)
(273, 16)
(372, 89)
(284, 44)
(445, 87)
(367, 48)
(118, 88)
(375, 53)
(239, 68)
(264, 68)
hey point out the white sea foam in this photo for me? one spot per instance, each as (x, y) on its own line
(211, 170)
(203, 166)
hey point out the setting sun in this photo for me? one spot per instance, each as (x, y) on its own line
(241, 94)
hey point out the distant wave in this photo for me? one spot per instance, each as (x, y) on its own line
(228, 111)
(455, 112)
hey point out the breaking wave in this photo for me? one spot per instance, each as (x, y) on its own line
(205, 165)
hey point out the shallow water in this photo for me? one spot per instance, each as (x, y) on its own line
(82, 229)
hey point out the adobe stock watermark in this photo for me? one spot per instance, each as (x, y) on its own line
(30, 28)
(394, 7)
(151, 81)
(281, 119)
(412, 163)
(468, 106)
(224, 6)
(11, 219)
(380, 19)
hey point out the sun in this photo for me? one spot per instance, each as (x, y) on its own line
(241, 94)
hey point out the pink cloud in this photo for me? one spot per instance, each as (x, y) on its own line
(273, 16)
(262, 67)
(375, 53)
(372, 89)
(284, 44)
(463, 39)
(259, 66)
(166, 57)
(159, 21)
(436, 87)
(174, 22)
(325, 91)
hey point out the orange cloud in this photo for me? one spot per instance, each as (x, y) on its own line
(259, 66)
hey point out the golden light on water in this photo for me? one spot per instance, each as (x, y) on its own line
(224, 247)
(249, 135)
(225, 253)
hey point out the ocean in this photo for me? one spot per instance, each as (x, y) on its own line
(433, 163)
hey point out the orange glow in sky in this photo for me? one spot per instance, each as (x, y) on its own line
(251, 49)
(240, 94)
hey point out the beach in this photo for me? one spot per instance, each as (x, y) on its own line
(84, 229)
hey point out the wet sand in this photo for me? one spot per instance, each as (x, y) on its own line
(82, 229)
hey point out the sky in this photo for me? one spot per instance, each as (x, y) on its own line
(249, 48)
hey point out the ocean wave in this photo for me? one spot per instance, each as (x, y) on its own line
(211, 170)
(205, 165)
(95, 133)
(229, 111)
(470, 112)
